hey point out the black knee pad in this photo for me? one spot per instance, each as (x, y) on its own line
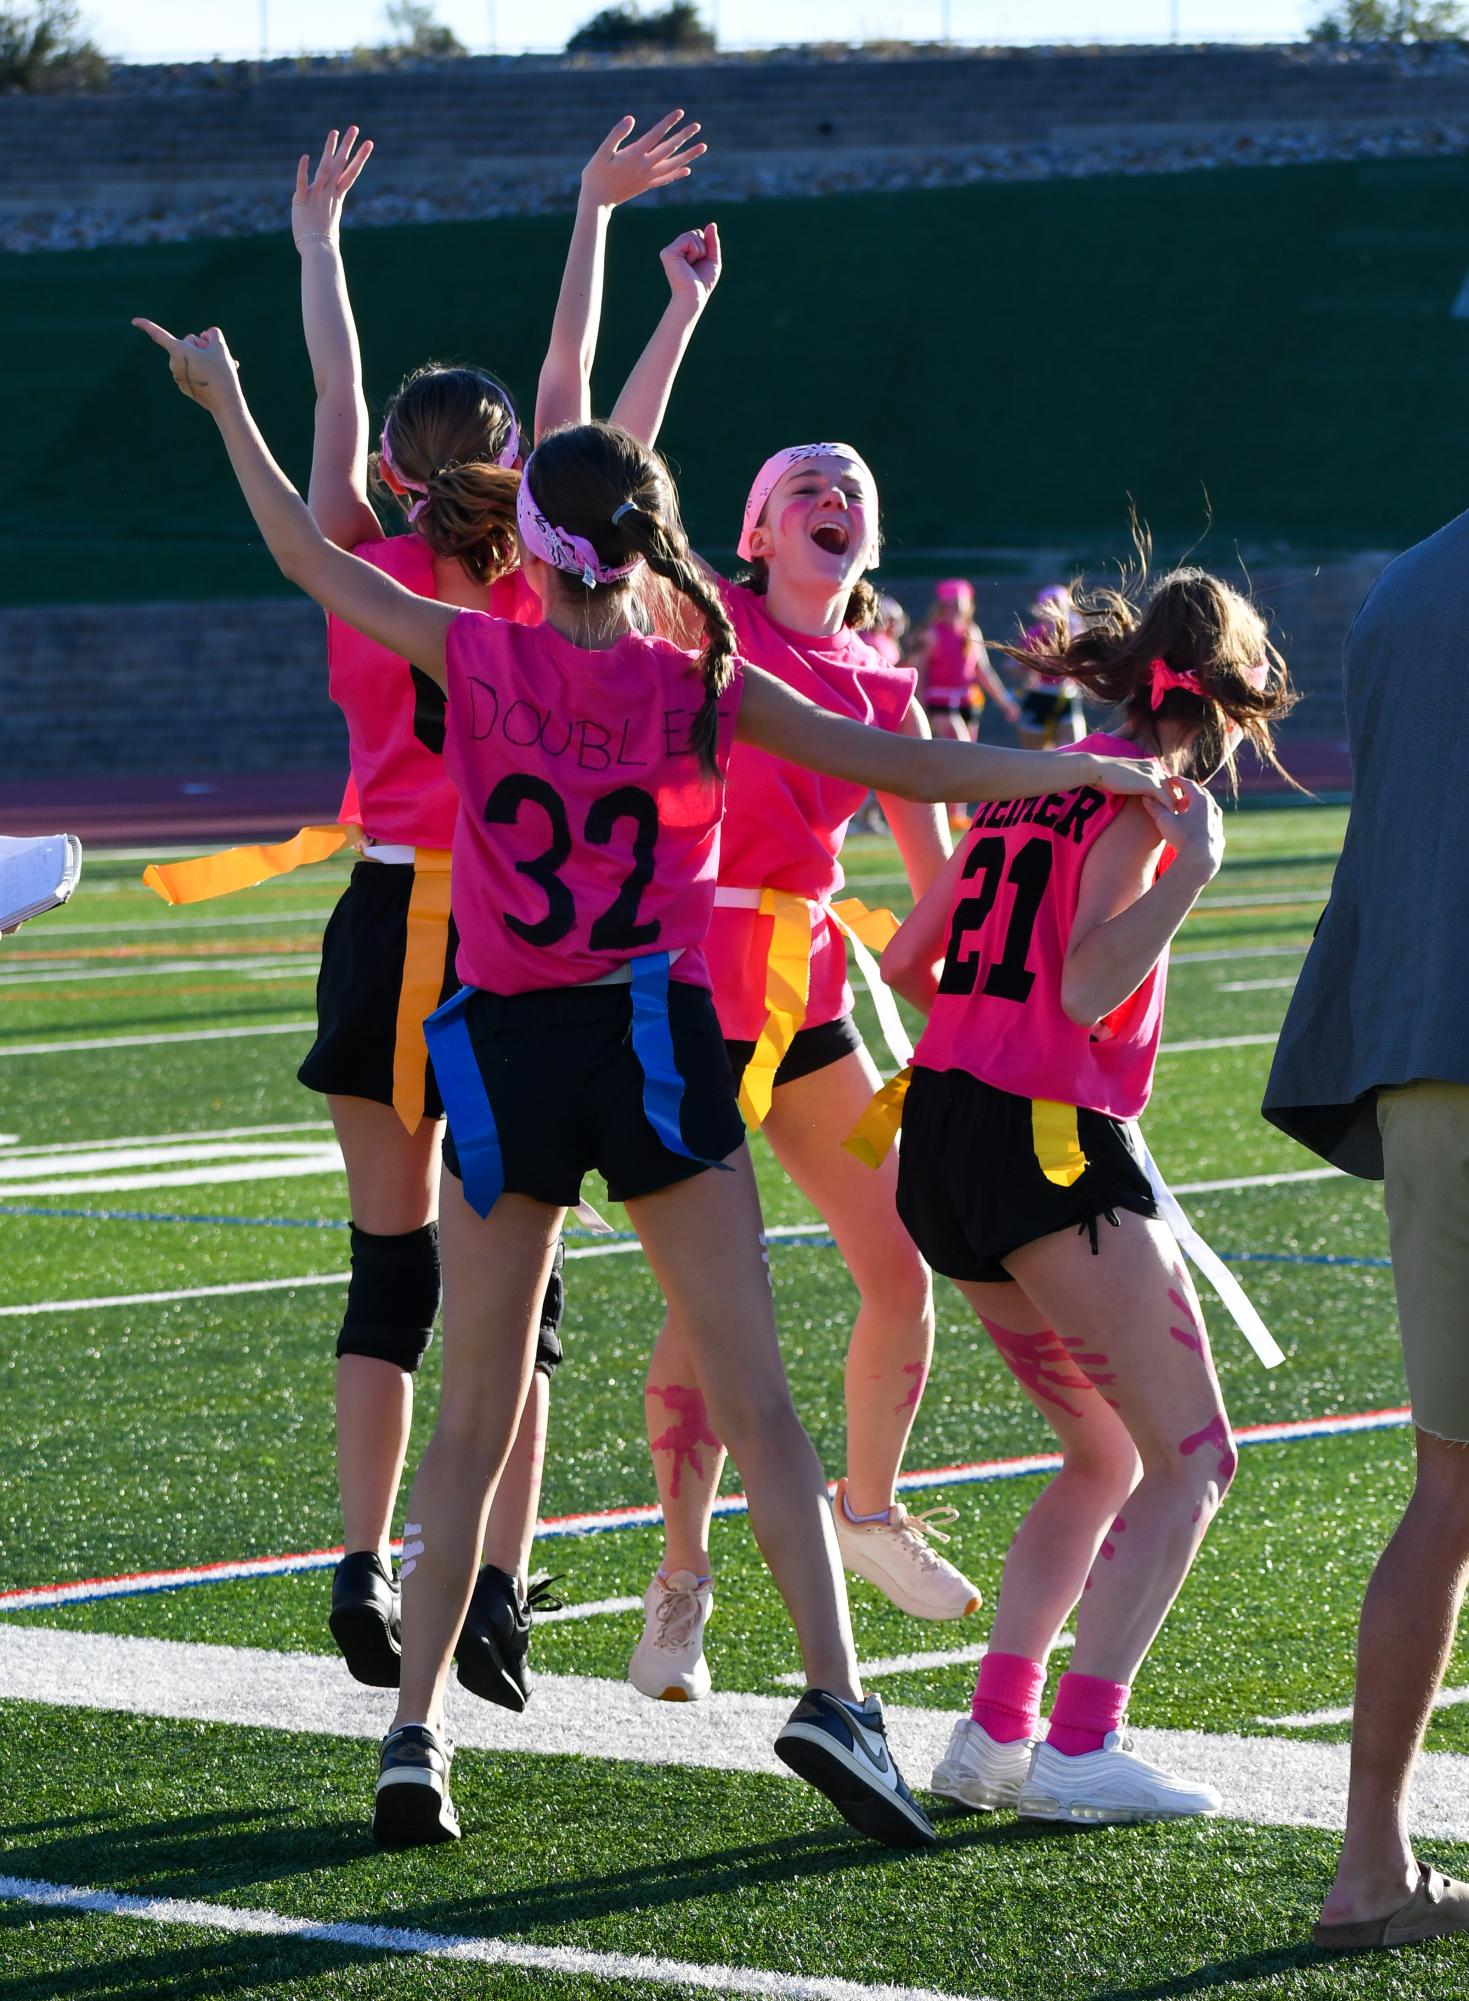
(392, 1297)
(553, 1305)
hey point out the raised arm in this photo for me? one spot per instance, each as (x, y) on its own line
(692, 265)
(621, 169)
(920, 828)
(415, 627)
(337, 495)
(1126, 912)
(774, 717)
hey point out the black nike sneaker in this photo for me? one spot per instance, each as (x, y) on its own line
(366, 1619)
(495, 1638)
(413, 1806)
(843, 1752)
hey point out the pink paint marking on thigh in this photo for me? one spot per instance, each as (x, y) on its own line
(1040, 1362)
(688, 1431)
(1092, 1360)
(1191, 1336)
(1215, 1433)
(919, 1372)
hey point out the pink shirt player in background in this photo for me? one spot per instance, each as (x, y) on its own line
(955, 673)
(1050, 704)
(778, 957)
(450, 452)
(1040, 960)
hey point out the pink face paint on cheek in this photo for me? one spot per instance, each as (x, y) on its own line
(1215, 1433)
(919, 1372)
(688, 1430)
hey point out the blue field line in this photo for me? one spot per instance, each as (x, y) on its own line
(606, 1237)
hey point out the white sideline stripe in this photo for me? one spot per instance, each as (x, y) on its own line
(1253, 986)
(1238, 952)
(310, 1278)
(1259, 1181)
(567, 1960)
(1447, 1698)
(151, 1041)
(289, 920)
(1220, 1042)
(15, 1166)
(201, 1137)
(1271, 1782)
(158, 968)
(1282, 898)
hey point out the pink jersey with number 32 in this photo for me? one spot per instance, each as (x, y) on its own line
(998, 1013)
(588, 834)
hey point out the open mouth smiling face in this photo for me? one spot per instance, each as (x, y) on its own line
(824, 507)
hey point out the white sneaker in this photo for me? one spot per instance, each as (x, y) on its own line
(1113, 1784)
(896, 1556)
(668, 1662)
(979, 1771)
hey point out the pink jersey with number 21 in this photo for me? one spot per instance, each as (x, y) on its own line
(998, 1013)
(588, 834)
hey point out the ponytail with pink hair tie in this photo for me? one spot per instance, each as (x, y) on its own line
(1164, 678)
(506, 458)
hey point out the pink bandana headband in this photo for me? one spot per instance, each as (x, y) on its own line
(1164, 678)
(776, 467)
(505, 458)
(563, 550)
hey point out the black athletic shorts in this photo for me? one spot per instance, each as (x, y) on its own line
(811, 1049)
(971, 1191)
(1042, 710)
(357, 989)
(566, 1090)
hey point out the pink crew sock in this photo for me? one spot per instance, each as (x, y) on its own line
(1007, 1696)
(1085, 1709)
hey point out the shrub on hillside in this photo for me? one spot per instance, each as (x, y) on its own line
(1392, 21)
(43, 48)
(416, 37)
(676, 27)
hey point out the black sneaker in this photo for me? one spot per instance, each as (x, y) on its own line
(844, 1754)
(413, 1804)
(366, 1619)
(495, 1638)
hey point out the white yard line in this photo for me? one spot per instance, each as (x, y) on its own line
(1254, 986)
(202, 1137)
(68, 1048)
(1233, 952)
(15, 1166)
(1447, 1698)
(916, 1663)
(321, 1160)
(1282, 899)
(1258, 1181)
(591, 1608)
(1219, 1042)
(549, 1961)
(263, 921)
(153, 969)
(1267, 1781)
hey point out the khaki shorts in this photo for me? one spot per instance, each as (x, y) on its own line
(1425, 1149)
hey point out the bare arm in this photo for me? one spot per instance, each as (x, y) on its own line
(620, 169)
(1126, 913)
(990, 681)
(921, 830)
(413, 626)
(914, 955)
(337, 495)
(774, 718)
(692, 265)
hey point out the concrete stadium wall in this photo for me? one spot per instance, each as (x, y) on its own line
(210, 134)
(194, 690)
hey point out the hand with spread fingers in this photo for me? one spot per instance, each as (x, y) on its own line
(316, 206)
(201, 364)
(624, 167)
(692, 264)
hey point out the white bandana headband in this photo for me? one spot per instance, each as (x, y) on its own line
(776, 467)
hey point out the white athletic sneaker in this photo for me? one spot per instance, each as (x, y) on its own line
(978, 1771)
(896, 1556)
(668, 1662)
(1113, 1784)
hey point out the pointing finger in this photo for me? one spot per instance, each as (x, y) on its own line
(159, 334)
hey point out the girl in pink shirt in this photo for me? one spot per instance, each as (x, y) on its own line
(955, 671)
(1040, 959)
(810, 532)
(450, 456)
(589, 840)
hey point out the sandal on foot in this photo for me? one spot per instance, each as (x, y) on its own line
(1437, 1908)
